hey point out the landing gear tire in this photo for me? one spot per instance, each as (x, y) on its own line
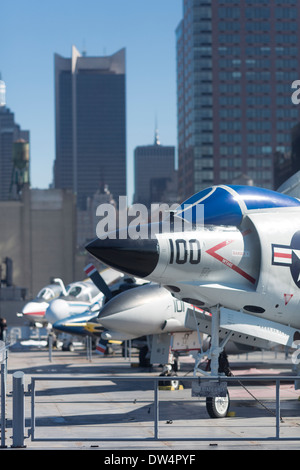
(174, 384)
(217, 407)
(170, 383)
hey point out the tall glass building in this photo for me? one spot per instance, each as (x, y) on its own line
(236, 61)
(154, 169)
(90, 115)
(11, 137)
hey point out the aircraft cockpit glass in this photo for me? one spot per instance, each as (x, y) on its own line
(226, 205)
(80, 292)
(48, 293)
(219, 207)
(45, 294)
(74, 291)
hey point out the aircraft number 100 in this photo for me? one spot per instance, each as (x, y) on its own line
(185, 251)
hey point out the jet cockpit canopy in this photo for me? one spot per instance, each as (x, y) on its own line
(226, 205)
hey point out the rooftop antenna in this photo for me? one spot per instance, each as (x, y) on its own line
(83, 49)
(156, 135)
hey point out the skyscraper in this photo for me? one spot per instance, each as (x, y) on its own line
(236, 61)
(90, 115)
(154, 168)
(11, 136)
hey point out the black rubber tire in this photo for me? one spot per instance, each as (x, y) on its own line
(217, 407)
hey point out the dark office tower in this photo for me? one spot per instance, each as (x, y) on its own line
(236, 61)
(11, 137)
(90, 124)
(155, 177)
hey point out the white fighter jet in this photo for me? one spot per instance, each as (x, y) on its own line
(35, 309)
(241, 262)
(151, 310)
(80, 297)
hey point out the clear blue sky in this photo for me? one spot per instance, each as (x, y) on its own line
(32, 31)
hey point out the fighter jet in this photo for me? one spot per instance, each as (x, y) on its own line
(149, 309)
(80, 297)
(35, 309)
(170, 324)
(241, 262)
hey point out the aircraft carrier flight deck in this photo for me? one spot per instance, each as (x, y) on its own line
(86, 414)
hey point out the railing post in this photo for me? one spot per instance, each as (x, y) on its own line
(89, 348)
(50, 343)
(3, 403)
(32, 392)
(156, 409)
(18, 410)
(277, 408)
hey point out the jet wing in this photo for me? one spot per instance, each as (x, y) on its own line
(201, 320)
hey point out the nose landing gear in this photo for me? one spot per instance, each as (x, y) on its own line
(217, 406)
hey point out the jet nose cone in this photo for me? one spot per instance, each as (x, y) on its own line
(136, 257)
(35, 308)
